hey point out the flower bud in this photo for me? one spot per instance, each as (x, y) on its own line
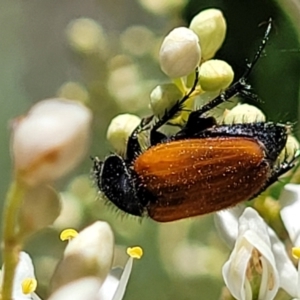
(50, 140)
(215, 75)
(180, 52)
(86, 36)
(119, 130)
(243, 113)
(74, 91)
(164, 97)
(40, 207)
(210, 26)
(90, 253)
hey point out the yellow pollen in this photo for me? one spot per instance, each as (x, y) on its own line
(29, 285)
(135, 252)
(68, 234)
(296, 252)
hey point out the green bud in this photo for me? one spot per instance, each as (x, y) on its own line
(215, 75)
(210, 26)
(164, 97)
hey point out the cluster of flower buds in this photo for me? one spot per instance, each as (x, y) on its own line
(185, 49)
(182, 51)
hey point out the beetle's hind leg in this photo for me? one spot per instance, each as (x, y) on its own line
(240, 87)
(147, 124)
(278, 171)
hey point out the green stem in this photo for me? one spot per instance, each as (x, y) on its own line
(180, 84)
(11, 244)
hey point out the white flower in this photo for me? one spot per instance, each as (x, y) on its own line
(94, 288)
(24, 280)
(50, 140)
(258, 254)
(180, 52)
(210, 26)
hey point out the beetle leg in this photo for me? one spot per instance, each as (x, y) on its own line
(174, 110)
(278, 171)
(195, 124)
(133, 147)
(240, 87)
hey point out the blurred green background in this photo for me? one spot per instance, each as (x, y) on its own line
(109, 61)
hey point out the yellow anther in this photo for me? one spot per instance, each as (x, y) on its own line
(135, 252)
(29, 285)
(68, 234)
(296, 252)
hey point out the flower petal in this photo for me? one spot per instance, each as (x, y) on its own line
(287, 272)
(226, 222)
(290, 201)
(124, 280)
(253, 242)
(84, 288)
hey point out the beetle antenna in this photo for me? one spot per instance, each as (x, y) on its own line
(259, 51)
(240, 87)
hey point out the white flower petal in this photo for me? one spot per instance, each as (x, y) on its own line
(226, 222)
(24, 270)
(81, 289)
(252, 238)
(108, 288)
(287, 272)
(124, 280)
(290, 202)
(234, 270)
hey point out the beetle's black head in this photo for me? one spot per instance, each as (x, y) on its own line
(115, 181)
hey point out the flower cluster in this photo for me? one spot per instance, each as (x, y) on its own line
(181, 52)
(259, 265)
(84, 272)
(53, 137)
(47, 143)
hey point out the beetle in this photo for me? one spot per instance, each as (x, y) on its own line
(203, 168)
